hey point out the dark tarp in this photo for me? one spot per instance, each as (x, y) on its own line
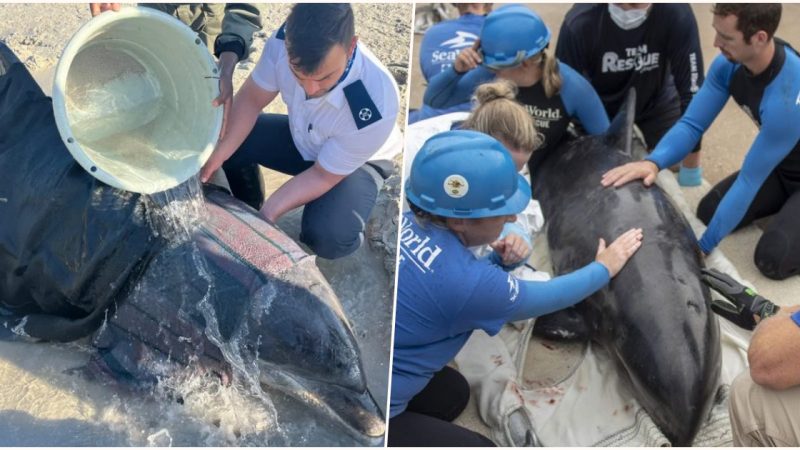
(69, 244)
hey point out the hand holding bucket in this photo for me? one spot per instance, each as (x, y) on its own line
(132, 99)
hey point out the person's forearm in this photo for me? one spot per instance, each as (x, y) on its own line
(306, 187)
(544, 297)
(244, 113)
(449, 88)
(773, 143)
(773, 351)
(702, 110)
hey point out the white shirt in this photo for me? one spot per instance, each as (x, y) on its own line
(324, 129)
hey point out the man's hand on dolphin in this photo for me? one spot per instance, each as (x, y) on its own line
(512, 249)
(620, 251)
(745, 307)
(640, 170)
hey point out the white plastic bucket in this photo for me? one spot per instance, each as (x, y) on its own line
(132, 100)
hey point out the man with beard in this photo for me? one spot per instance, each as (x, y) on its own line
(762, 74)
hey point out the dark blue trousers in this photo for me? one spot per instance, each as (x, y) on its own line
(332, 225)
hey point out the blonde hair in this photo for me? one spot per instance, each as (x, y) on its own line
(498, 114)
(551, 77)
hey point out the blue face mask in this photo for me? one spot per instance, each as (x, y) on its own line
(627, 20)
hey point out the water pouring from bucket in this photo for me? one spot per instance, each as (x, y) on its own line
(132, 100)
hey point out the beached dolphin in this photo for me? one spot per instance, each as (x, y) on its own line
(79, 258)
(654, 317)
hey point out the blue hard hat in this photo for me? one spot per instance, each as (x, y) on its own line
(466, 174)
(510, 35)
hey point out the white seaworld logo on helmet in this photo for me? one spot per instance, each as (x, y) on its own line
(456, 186)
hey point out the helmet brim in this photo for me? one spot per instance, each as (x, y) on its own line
(515, 204)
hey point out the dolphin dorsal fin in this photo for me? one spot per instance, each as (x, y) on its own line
(621, 128)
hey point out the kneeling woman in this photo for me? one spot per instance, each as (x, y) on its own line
(462, 189)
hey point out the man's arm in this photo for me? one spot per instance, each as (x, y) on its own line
(774, 350)
(247, 105)
(777, 137)
(684, 135)
(239, 22)
(703, 109)
(303, 188)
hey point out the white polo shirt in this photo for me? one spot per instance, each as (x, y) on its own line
(353, 123)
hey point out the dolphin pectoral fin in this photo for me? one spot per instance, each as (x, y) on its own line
(564, 325)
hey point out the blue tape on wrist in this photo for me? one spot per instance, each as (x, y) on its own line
(796, 318)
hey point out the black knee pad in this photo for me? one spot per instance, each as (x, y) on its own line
(773, 256)
(708, 206)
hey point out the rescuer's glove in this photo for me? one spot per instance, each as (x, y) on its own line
(743, 302)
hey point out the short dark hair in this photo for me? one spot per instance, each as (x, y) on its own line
(751, 17)
(312, 29)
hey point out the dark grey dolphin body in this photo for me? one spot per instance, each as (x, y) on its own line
(234, 294)
(654, 318)
(275, 318)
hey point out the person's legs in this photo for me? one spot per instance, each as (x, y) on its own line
(270, 144)
(426, 420)
(763, 417)
(445, 396)
(777, 254)
(333, 225)
(655, 123)
(410, 429)
(769, 200)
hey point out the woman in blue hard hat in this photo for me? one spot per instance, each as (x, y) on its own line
(462, 189)
(512, 46)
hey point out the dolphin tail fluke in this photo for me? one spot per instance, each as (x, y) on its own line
(621, 128)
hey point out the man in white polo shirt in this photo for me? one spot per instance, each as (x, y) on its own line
(339, 136)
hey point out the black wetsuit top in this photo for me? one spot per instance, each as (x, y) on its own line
(657, 58)
(550, 117)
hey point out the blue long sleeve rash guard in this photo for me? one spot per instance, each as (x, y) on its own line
(444, 293)
(772, 100)
(439, 48)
